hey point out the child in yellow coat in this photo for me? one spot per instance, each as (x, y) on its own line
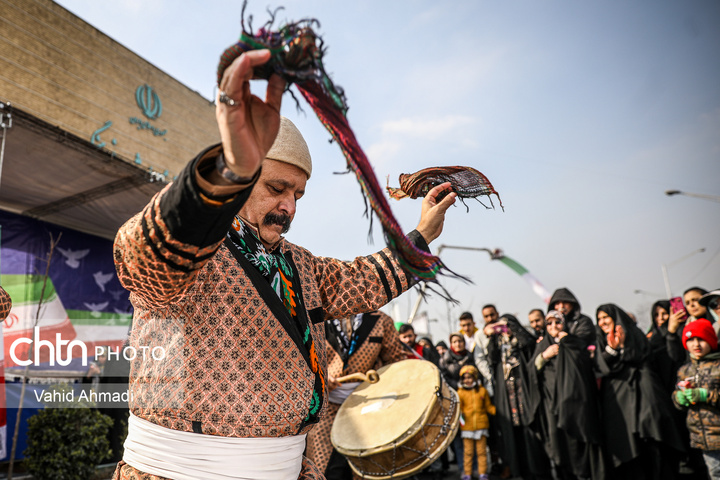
(475, 406)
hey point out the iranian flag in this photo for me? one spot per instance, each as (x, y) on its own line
(537, 287)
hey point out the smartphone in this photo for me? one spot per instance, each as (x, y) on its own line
(498, 328)
(676, 305)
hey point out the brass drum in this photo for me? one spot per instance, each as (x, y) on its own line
(399, 425)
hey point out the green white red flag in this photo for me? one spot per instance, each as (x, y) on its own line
(537, 287)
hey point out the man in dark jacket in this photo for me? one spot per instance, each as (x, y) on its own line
(577, 324)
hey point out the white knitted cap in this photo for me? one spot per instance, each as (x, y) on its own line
(290, 147)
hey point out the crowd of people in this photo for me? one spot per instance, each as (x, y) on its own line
(566, 397)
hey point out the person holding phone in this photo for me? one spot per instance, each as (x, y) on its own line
(691, 298)
(683, 310)
(510, 348)
(640, 430)
(677, 316)
(668, 353)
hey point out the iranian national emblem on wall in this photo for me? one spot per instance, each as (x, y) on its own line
(148, 101)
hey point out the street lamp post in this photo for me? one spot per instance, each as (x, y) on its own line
(668, 291)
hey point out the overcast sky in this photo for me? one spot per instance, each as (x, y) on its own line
(582, 114)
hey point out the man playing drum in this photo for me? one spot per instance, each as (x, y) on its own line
(238, 311)
(354, 345)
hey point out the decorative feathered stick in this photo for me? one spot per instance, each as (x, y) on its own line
(297, 54)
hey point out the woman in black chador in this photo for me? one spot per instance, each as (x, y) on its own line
(509, 349)
(667, 351)
(565, 407)
(640, 431)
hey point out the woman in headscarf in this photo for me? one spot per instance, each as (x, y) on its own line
(432, 353)
(659, 315)
(565, 407)
(667, 351)
(696, 310)
(510, 347)
(640, 429)
(454, 359)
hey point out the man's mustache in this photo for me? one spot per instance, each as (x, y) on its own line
(278, 219)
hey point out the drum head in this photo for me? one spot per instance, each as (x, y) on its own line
(376, 416)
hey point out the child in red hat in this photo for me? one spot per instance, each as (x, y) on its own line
(698, 391)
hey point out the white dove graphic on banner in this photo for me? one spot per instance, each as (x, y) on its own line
(73, 257)
(102, 278)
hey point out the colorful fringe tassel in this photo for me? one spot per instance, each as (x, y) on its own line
(297, 57)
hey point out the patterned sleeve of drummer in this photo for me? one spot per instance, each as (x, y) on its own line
(363, 285)
(5, 304)
(159, 251)
(392, 348)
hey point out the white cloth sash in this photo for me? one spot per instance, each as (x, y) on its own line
(179, 455)
(340, 394)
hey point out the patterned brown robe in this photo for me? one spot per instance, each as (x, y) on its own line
(232, 365)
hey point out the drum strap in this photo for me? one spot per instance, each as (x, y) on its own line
(346, 338)
(412, 351)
